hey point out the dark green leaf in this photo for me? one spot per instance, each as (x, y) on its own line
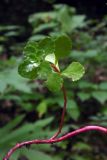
(62, 46)
(82, 146)
(73, 110)
(11, 125)
(44, 70)
(30, 48)
(74, 71)
(84, 96)
(28, 69)
(87, 85)
(32, 52)
(47, 45)
(101, 96)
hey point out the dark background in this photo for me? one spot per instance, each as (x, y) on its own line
(16, 11)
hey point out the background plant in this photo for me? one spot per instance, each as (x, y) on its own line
(86, 98)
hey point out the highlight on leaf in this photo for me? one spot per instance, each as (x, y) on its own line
(28, 69)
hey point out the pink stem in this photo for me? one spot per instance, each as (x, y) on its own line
(49, 141)
(62, 116)
(64, 107)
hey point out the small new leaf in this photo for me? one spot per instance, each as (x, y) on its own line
(62, 46)
(54, 82)
(74, 71)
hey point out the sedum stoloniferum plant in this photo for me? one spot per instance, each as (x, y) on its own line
(41, 61)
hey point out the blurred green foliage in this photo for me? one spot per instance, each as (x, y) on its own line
(28, 110)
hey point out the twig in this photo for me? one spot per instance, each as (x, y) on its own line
(63, 114)
(55, 140)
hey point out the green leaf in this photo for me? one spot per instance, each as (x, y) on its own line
(50, 58)
(11, 78)
(65, 19)
(74, 71)
(11, 125)
(36, 37)
(32, 52)
(103, 86)
(36, 155)
(82, 146)
(2, 85)
(73, 110)
(47, 45)
(43, 27)
(77, 21)
(42, 107)
(101, 96)
(44, 70)
(84, 96)
(87, 85)
(79, 157)
(28, 69)
(62, 46)
(30, 48)
(54, 82)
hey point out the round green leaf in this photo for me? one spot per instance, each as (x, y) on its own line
(54, 82)
(62, 46)
(74, 71)
(28, 69)
(47, 46)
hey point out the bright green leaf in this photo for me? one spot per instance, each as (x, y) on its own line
(42, 107)
(74, 71)
(54, 82)
(50, 58)
(62, 46)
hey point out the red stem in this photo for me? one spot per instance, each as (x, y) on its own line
(63, 114)
(49, 141)
(64, 107)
